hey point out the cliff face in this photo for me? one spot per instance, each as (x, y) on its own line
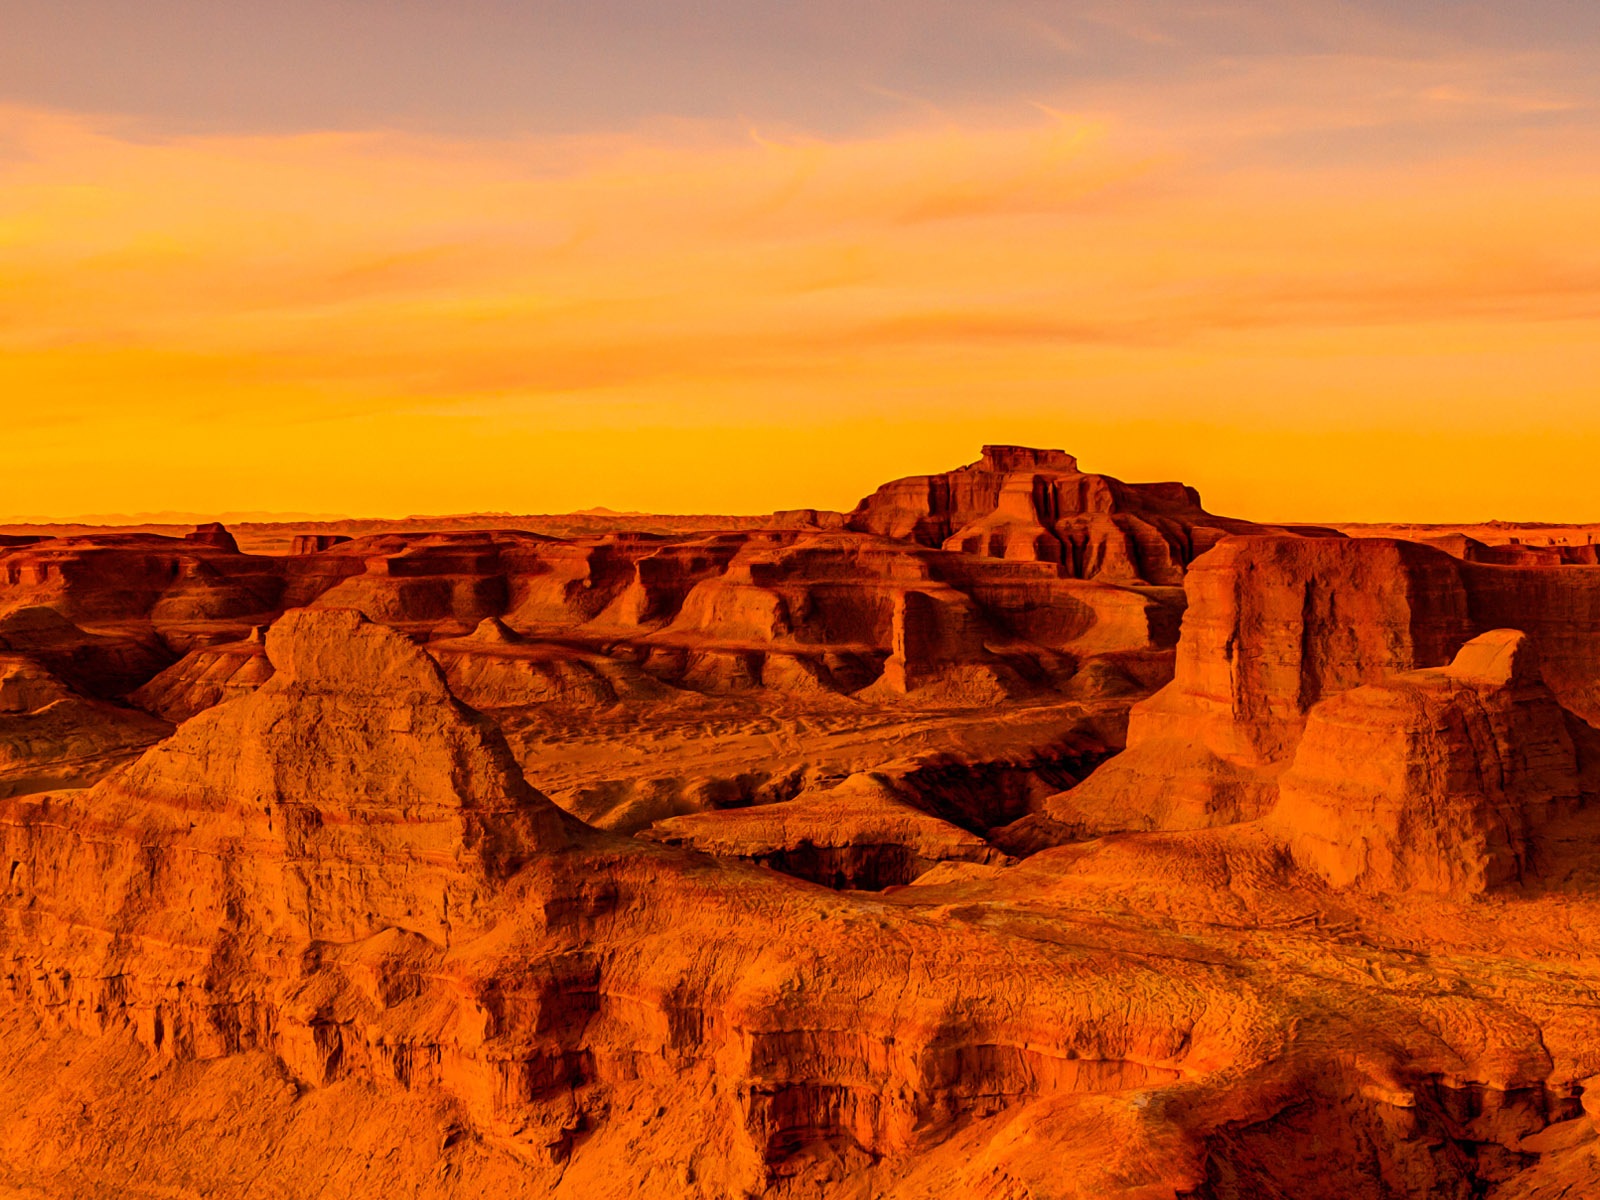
(166, 583)
(345, 870)
(1274, 626)
(864, 900)
(1036, 505)
(1436, 780)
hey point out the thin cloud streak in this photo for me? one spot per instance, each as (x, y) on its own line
(1104, 251)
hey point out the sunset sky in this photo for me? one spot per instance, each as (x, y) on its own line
(1322, 260)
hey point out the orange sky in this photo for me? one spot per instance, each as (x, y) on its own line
(1254, 284)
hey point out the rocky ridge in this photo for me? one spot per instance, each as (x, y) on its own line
(866, 898)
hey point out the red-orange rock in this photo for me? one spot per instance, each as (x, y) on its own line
(349, 793)
(1435, 780)
(316, 543)
(328, 938)
(215, 534)
(205, 676)
(102, 663)
(52, 737)
(1273, 625)
(861, 833)
(1021, 503)
(494, 667)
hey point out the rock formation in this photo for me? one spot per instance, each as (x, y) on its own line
(801, 858)
(214, 534)
(50, 736)
(348, 794)
(494, 667)
(858, 834)
(171, 586)
(1036, 505)
(206, 676)
(1274, 625)
(1434, 780)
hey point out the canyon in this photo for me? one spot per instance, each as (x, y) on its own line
(1021, 834)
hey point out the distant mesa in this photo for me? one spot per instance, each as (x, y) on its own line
(214, 534)
(315, 543)
(1018, 502)
(806, 518)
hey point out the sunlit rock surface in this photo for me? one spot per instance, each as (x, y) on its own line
(911, 852)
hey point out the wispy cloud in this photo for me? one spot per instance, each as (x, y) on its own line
(1099, 251)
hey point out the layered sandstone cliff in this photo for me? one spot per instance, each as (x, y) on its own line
(1434, 780)
(345, 871)
(330, 936)
(206, 676)
(1036, 505)
(1276, 625)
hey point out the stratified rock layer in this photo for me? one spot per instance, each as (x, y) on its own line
(206, 676)
(51, 737)
(326, 938)
(1276, 625)
(859, 834)
(1021, 503)
(1434, 780)
(349, 794)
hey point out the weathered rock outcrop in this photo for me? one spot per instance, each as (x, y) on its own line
(316, 543)
(204, 677)
(861, 833)
(1275, 625)
(349, 794)
(495, 667)
(214, 534)
(1020, 503)
(942, 627)
(171, 585)
(442, 583)
(51, 737)
(98, 664)
(1559, 609)
(1433, 780)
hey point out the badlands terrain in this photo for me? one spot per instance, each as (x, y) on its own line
(1022, 833)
